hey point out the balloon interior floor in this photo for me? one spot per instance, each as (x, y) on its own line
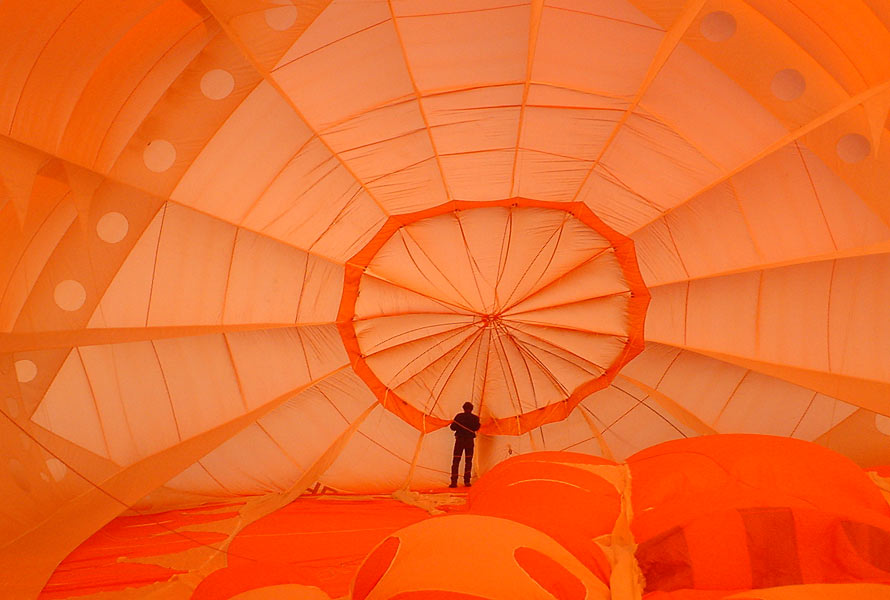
(316, 540)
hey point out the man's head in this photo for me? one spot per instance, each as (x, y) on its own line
(468, 407)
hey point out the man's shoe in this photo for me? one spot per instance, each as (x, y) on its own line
(453, 485)
(467, 484)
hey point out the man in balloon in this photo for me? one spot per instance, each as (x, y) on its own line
(465, 425)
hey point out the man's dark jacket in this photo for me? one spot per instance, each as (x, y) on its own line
(465, 425)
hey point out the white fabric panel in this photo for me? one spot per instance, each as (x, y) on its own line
(413, 188)
(250, 464)
(572, 132)
(599, 275)
(323, 349)
(710, 233)
(341, 19)
(619, 10)
(859, 329)
(722, 312)
(548, 177)
(132, 397)
(777, 197)
(674, 172)
(244, 156)
(395, 131)
(268, 363)
(322, 287)
(640, 428)
(69, 410)
(202, 383)
(191, 269)
(370, 72)
(793, 317)
(474, 120)
(196, 480)
(125, 302)
(304, 198)
(265, 281)
(480, 176)
(657, 255)
(710, 109)
(850, 220)
(650, 366)
(764, 405)
(377, 458)
(32, 262)
(700, 384)
(618, 206)
(492, 46)
(610, 404)
(615, 70)
(823, 414)
(306, 425)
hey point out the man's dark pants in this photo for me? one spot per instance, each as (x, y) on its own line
(462, 445)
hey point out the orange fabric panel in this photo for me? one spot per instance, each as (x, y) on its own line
(544, 491)
(375, 566)
(552, 576)
(311, 541)
(744, 471)
(99, 564)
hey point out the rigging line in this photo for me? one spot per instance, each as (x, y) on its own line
(545, 324)
(406, 233)
(419, 356)
(610, 295)
(557, 233)
(449, 325)
(475, 338)
(514, 392)
(471, 261)
(419, 98)
(599, 369)
(536, 8)
(455, 307)
(457, 326)
(524, 351)
(270, 80)
(534, 292)
(528, 371)
(506, 238)
(665, 49)
(485, 371)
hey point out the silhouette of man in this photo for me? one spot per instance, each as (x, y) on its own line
(465, 425)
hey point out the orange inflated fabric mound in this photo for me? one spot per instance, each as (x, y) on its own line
(255, 255)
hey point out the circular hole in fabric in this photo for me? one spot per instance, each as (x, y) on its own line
(374, 567)
(159, 156)
(521, 307)
(788, 85)
(718, 26)
(69, 295)
(112, 227)
(853, 148)
(217, 84)
(282, 17)
(25, 370)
